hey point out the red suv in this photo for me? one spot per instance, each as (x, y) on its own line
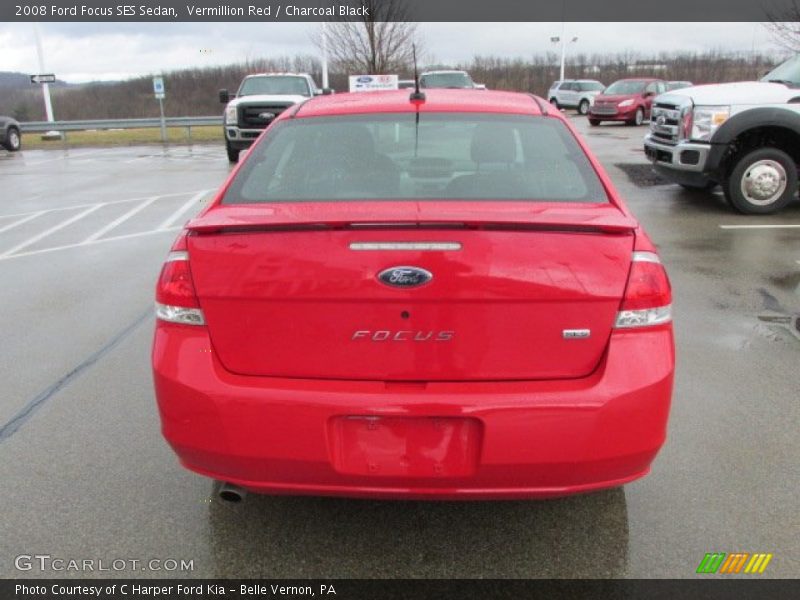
(421, 298)
(627, 100)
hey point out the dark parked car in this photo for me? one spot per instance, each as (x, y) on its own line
(10, 136)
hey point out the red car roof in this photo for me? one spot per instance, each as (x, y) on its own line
(436, 100)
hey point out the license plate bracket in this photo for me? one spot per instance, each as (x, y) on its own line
(427, 447)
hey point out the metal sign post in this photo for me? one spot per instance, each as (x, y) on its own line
(158, 90)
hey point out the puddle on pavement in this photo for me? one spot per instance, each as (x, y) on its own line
(642, 175)
(788, 281)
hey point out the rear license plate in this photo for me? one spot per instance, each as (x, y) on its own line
(405, 446)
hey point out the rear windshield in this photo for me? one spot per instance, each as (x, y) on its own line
(275, 84)
(625, 87)
(437, 156)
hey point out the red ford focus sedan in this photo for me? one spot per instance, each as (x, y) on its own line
(392, 297)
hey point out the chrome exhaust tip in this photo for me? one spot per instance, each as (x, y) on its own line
(231, 493)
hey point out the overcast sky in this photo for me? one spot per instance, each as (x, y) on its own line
(78, 52)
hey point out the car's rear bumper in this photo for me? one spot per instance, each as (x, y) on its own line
(531, 439)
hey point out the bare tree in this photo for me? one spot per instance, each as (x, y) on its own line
(377, 43)
(784, 24)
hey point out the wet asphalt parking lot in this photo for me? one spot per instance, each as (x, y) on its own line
(86, 474)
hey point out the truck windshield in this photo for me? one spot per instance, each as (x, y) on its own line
(625, 88)
(787, 73)
(405, 156)
(279, 85)
(446, 80)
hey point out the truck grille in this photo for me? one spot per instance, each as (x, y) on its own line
(258, 116)
(665, 122)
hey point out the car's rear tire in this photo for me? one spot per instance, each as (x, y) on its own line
(761, 182)
(554, 102)
(594, 122)
(13, 141)
(583, 107)
(233, 153)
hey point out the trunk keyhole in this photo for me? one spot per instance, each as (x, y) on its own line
(405, 314)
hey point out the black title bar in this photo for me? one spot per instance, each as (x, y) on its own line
(401, 10)
(391, 589)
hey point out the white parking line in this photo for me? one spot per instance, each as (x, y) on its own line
(779, 226)
(177, 214)
(121, 219)
(137, 199)
(6, 256)
(30, 217)
(47, 232)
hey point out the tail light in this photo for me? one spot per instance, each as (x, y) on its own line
(176, 299)
(648, 296)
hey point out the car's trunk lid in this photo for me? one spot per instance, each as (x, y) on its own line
(518, 291)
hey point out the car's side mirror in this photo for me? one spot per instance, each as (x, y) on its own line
(317, 92)
(224, 96)
(328, 91)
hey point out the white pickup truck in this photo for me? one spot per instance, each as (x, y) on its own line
(744, 136)
(260, 98)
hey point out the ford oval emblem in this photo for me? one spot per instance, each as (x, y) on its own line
(405, 277)
(364, 79)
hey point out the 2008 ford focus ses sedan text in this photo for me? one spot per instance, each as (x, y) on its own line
(404, 297)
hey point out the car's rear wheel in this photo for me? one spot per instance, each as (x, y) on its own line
(594, 122)
(583, 107)
(233, 153)
(13, 141)
(761, 182)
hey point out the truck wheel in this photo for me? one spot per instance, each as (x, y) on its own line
(594, 122)
(13, 140)
(233, 153)
(583, 107)
(554, 102)
(761, 182)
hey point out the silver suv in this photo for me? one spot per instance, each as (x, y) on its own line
(575, 93)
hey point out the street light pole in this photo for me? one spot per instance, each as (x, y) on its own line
(48, 105)
(324, 55)
(563, 49)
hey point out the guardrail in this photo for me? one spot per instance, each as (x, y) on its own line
(64, 126)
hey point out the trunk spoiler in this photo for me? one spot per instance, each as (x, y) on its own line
(428, 215)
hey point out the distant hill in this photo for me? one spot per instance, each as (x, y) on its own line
(22, 81)
(190, 92)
